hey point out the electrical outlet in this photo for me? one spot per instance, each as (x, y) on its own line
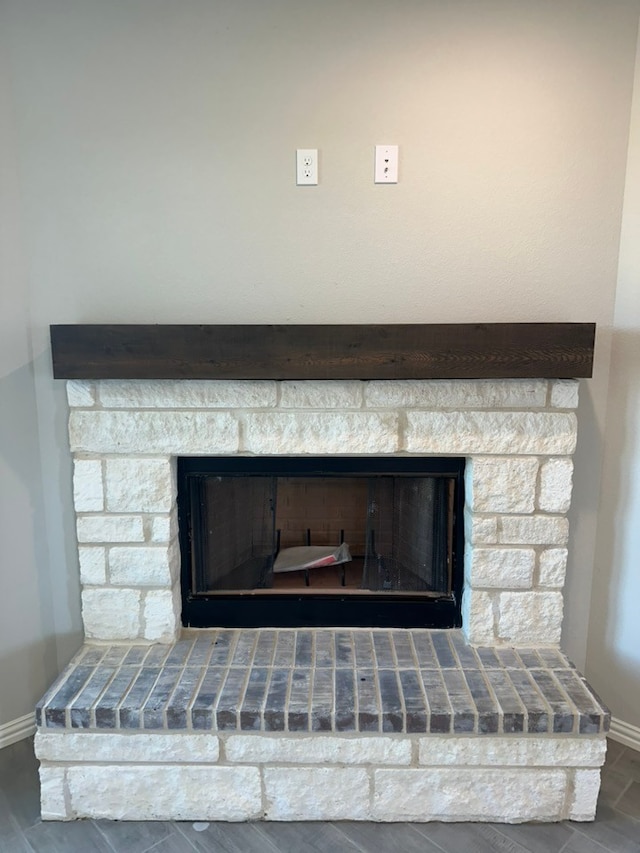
(306, 166)
(386, 164)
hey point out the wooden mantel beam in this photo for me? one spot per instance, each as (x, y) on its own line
(410, 351)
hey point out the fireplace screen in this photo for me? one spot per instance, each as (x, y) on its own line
(321, 541)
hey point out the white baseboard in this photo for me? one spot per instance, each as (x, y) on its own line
(17, 730)
(625, 733)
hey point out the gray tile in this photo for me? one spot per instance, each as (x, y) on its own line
(368, 706)
(75, 837)
(55, 710)
(304, 648)
(230, 699)
(180, 652)
(129, 710)
(629, 802)
(344, 649)
(80, 709)
(265, 648)
(226, 838)
(440, 711)
(104, 714)
(253, 701)
(404, 649)
(363, 642)
(537, 709)
(345, 716)
(285, 649)
(383, 649)
(443, 650)
(133, 836)
(324, 649)
(424, 650)
(377, 837)
(182, 697)
(391, 702)
(245, 645)
(537, 837)
(322, 701)
(462, 705)
(468, 838)
(613, 830)
(222, 648)
(298, 716)
(203, 707)
(562, 709)
(513, 711)
(298, 837)
(417, 714)
(152, 714)
(488, 717)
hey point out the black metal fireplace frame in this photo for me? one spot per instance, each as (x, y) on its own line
(279, 610)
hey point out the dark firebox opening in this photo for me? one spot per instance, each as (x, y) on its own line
(321, 541)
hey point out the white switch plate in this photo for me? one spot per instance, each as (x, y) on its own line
(306, 166)
(386, 164)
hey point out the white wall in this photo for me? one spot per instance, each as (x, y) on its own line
(156, 144)
(613, 662)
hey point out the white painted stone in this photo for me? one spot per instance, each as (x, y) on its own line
(501, 484)
(475, 432)
(530, 617)
(110, 528)
(88, 489)
(93, 565)
(53, 805)
(530, 751)
(556, 477)
(164, 528)
(80, 394)
(161, 615)
(553, 567)
(586, 785)
(187, 394)
(326, 394)
(500, 567)
(153, 432)
(111, 614)
(318, 793)
(131, 747)
(142, 566)
(317, 750)
(469, 794)
(564, 393)
(321, 432)
(139, 485)
(478, 617)
(457, 393)
(533, 530)
(164, 792)
(479, 529)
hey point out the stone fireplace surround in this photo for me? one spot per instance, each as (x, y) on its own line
(517, 436)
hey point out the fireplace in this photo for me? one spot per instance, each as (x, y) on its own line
(321, 541)
(157, 720)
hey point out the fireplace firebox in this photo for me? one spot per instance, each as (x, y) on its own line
(321, 541)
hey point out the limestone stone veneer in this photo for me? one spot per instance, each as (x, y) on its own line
(517, 436)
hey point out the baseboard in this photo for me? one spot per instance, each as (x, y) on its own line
(625, 733)
(17, 730)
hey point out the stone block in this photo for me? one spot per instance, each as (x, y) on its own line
(257, 749)
(80, 394)
(161, 615)
(586, 786)
(143, 566)
(533, 530)
(88, 489)
(111, 614)
(321, 432)
(53, 805)
(327, 394)
(457, 394)
(500, 567)
(487, 794)
(132, 747)
(479, 529)
(164, 792)
(110, 528)
(187, 394)
(317, 793)
(555, 485)
(564, 393)
(93, 565)
(553, 567)
(478, 617)
(530, 617)
(154, 432)
(473, 433)
(163, 528)
(139, 485)
(499, 484)
(513, 751)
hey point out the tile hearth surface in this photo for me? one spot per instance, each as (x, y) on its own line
(347, 681)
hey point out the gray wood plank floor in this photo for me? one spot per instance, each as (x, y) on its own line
(616, 829)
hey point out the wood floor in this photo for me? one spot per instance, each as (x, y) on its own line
(616, 829)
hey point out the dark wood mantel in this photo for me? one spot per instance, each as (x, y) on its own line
(413, 351)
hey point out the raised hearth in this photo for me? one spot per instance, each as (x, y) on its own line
(266, 724)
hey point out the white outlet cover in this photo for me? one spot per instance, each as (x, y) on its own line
(386, 164)
(306, 167)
